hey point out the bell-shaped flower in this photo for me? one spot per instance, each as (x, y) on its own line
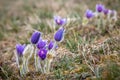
(19, 49)
(106, 11)
(99, 7)
(50, 45)
(60, 21)
(89, 14)
(35, 37)
(41, 44)
(59, 35)
(42, 53)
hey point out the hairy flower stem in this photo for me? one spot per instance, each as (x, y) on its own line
(22, 71)
(17, 59)
(25, 65)
(49, 64)
(40, 66)
(36, 59)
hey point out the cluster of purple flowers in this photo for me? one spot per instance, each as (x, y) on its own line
(42, 44)
(100, 8)
(42, 47)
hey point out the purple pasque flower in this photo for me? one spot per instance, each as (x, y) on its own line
(106, 11)
(60, 21)
(59, 35)
(89, 14)
(50, 45)
(42, 53)
(41, 44)
(99, 7)
(35, 37)
(20, 48)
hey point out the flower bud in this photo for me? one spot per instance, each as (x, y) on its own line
(105, 11)
(50, 45)
(41, 44)
(20, 48)
(59, 35)
(99, 7)
(35, 37)
(89, 14)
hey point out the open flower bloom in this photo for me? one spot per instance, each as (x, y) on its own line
(99, 7)
(60, 21)
(59, 35)
(35, 37)
(89, 14)
(41, 44)
(19, 49)
(42, 53)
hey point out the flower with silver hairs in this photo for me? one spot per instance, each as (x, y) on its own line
(59, 35)
(20, 48)
(35, 37)
(89, 14)
(99, 7)
(60, 21)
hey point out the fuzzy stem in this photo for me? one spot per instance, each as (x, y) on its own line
(17, 59)
(35, 58)
(40, 66)
(49, 64)
(21, 70)
(26, 64)
(44, 67)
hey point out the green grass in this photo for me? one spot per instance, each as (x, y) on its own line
(43, 27)
(112, 71)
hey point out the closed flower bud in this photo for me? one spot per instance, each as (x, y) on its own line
(59, 35)
(89, 14)
(60, 21)
(99, 7)
(42, 53)
(105, 11)
(35, 37)
(50, 45)
(41, 44)
(20, 48)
